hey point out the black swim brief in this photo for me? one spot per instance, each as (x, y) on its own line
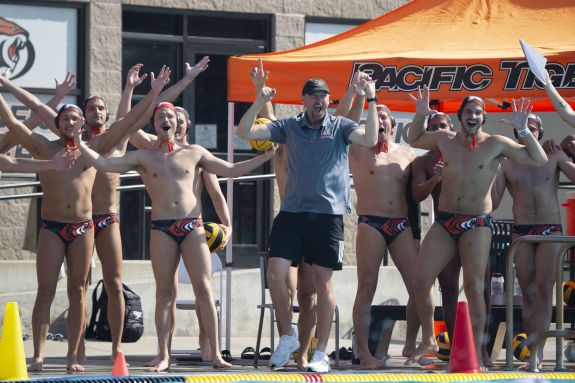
(457, 224)
(68, 232)
(389, 228)
(178, 229)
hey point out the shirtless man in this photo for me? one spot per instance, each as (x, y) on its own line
(169, 172)
(143, 140)
(426, 181)
(463, 225)
(66, 230)
(104, 197)
(535, 212)
(382, 224)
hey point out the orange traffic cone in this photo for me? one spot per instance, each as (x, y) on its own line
(120, 367)
(463, 354)
(12, 358)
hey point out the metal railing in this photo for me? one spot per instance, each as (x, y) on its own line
(538, 339)
(119, 188)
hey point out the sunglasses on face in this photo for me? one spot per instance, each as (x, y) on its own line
(381, 130)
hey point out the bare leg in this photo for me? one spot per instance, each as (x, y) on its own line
(154, 362)
(404, 256)
(197, 259)
(370, 247)
(78, 257)
(325, 307)
(306, 297)
(474, 246)
(449, 286)
(544, 281)
(204, 341)
(48, 260)
(525, 271)
(109, 248)
(165, 257)
(437, 249)
(279, 285)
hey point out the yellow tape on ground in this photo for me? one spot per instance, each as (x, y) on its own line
(375, 377)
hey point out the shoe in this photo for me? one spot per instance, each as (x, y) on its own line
(287, 345)
(265, 353)
(319, 363)
(248, 353)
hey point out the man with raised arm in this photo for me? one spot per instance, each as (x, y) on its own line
(66, 230)
(426, 180)
(564, 110)
(463, 224)
(104, 196)
(535, 212)
(309, 226)
(169, 172)
(380, 176)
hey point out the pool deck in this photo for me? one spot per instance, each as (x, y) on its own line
(99, 364)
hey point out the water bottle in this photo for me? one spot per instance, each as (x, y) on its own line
(497, 284)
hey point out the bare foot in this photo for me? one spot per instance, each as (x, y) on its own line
(152, 363)
(424, 348)
(483, 369)
(371, 363)
(220, 363)
(36, 365)
(205, 349)
(302, 364)
(162, 365)
(423, 361)
(74, 365)
(82, 352)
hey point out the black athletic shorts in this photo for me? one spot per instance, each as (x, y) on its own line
(315, 238)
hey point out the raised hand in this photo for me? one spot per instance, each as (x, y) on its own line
(422, 101)
(62, 89)
(78, 129)
(194, 71)
(157, 84)
(369, 87)
(63, 160)
(259, 76)
(134, 79)
(360, 80)
(5, 76)
(519, 117)
(266, 94)
(438, 170)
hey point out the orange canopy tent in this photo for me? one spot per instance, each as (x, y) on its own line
(456, 47)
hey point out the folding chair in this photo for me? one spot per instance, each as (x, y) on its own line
(190, 304)
(264, 305)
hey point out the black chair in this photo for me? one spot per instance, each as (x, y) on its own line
(264, 305)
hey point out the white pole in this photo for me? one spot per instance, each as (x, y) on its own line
(229, 246)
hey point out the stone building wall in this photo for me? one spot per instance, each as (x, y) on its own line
(103, 69)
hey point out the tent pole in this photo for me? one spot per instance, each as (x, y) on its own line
(229, 247)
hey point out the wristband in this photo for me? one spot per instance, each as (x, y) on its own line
(524, 132)
(372, 99)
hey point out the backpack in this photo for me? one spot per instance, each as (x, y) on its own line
(99, 329)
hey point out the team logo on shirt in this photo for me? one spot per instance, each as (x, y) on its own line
(16, 50)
